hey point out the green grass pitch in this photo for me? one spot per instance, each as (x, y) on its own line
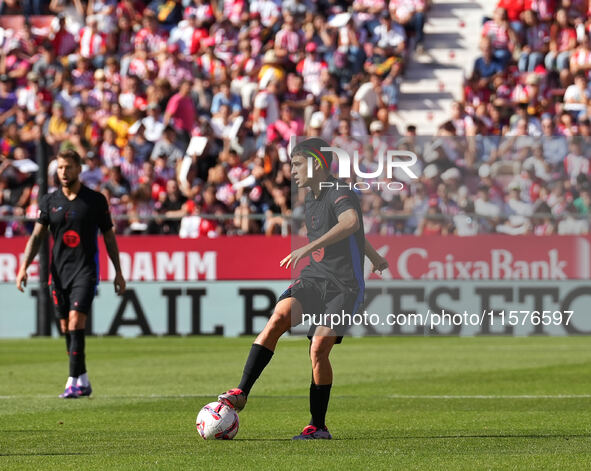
(397, 403)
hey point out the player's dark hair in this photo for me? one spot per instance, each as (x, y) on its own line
(70, 154)
(311, 148)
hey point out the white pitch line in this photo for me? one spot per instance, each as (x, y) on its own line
(477, 396)
(391, 396)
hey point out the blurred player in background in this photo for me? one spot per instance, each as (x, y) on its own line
(332, 283)
(74, 214)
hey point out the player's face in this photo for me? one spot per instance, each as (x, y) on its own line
(67, 172)
(299, 171)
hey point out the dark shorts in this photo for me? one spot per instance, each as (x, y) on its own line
(325, 302)
(77, 297)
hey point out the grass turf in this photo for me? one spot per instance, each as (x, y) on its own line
(397, 403)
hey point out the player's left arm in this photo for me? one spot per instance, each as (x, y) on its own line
(348, 223)
(113, 251)
(106, 226)
(378, 263)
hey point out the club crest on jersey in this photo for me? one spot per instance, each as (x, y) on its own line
(318, 255)
(71, 239)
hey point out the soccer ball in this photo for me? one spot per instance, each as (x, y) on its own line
(217, 421)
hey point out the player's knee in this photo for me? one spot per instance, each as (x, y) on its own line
(320, 349)
(77, 321)
(280, 320)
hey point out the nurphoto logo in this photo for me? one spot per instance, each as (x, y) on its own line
(388, 161)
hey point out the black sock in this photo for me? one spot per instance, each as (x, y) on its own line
(68, 342)
(76, 352)
(319, 396)
(258, 358)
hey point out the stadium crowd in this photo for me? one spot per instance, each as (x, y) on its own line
(130, 84)
(522, 130)
(183, 112)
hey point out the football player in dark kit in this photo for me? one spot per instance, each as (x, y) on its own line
(74, 213)
(332, 283)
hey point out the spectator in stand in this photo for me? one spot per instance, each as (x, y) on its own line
(563, 39)
(226, 97)
(515, 10)
(168, 146)
(180, 111)
(56, 127)
(487, 65)
(176, 70)
(411, 15)
(92, 43)
(576, 96)
(580, 61)
(286, 126)
(536, 45)
(92, 175)
(171, 206)
(500, 34)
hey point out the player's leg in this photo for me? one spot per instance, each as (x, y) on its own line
(81, 298)
(72, 380)
(77, 328)
(288, 312)
(320, 347)
(76, 324)
(61, 306)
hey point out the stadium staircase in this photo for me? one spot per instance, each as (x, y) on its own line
(433, 80)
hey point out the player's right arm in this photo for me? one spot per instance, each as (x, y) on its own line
(31, 250)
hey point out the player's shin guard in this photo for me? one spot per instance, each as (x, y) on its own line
(258, 358)
(319, 396)
(77, 360)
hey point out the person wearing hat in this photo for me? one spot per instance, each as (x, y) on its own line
(325, 119)
(92, 174)
(209, 66)
(272, 70)
(310, 68)
(376, 127)
(314, 128)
